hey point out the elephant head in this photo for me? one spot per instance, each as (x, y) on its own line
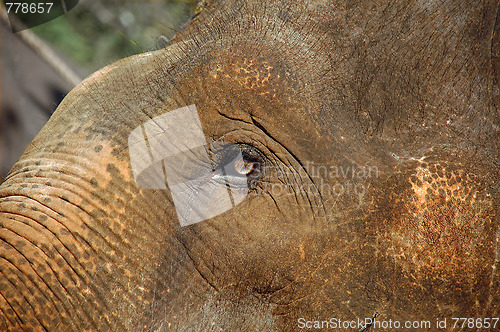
(279, 165)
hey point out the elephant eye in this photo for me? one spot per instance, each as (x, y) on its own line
(244, 168)
(242, 165)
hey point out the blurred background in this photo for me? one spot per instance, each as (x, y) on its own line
(39, 66)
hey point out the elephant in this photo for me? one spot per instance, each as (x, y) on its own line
(364, 136)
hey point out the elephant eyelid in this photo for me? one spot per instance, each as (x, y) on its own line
(223, 154)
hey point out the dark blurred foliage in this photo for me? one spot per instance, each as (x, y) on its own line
(92, 35)
(96, 33)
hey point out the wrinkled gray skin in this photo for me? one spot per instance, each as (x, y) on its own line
(406, 88)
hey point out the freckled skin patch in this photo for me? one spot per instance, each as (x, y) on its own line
(249, 74)
(253, 75)
(440, 225)
(429, 186)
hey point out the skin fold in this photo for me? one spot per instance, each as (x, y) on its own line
(395, 100)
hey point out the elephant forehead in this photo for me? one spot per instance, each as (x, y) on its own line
(250, 65)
